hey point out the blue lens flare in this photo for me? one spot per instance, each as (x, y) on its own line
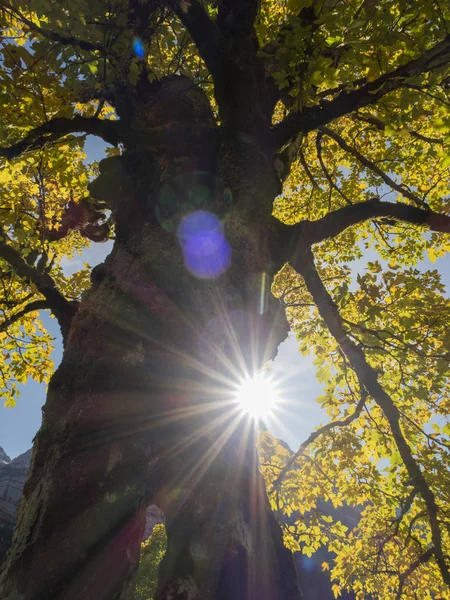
(206, 252)
(138, 48)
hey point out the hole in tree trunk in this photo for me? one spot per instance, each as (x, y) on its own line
(153, 548)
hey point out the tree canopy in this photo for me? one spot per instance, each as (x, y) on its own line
(352, 98)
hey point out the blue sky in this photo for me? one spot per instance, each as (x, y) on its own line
(294, 374)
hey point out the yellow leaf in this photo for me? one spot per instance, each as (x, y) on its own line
(336, 589)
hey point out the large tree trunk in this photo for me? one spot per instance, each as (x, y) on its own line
(141, 409)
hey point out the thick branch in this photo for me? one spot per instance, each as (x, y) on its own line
(307, 233)
(60, 126)
(202, 30)
(369, 379)
(31, 307)
(285, 158)
(372, 166)
(237, 15)
(312, 117)
(55, 301)
(294, 240)
(229, 47)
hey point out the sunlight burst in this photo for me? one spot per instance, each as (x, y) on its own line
(258, 397)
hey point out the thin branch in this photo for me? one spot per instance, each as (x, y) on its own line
(423, 558)
(32, 306)
(407, 346)
(308, 172)
(404, 510)
(66, 40)
(368, 377)
(379, 124)
(372, 166)
(315, 434)
(346, 102)
(61, 308)
(333, 185)
(59, 127)
(356, 83)
(422, 89)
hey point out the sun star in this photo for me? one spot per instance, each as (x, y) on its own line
(257, 397)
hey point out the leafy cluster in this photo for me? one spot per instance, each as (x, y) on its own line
(394, 312)
(38, 81)
(35, 193)
(399, 317)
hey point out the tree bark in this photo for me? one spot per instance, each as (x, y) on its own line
(141, 409)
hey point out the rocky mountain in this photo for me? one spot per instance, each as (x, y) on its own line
(4, 458)
(315, 583)
(12, 478)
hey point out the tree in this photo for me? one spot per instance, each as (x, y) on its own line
(211, 107)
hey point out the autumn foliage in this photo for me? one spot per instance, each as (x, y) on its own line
(355, 101)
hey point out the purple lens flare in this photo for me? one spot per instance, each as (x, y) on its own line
(206, 251)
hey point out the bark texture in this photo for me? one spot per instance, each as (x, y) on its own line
(140, 410)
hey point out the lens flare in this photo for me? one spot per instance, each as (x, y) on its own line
(138, 48)
(258, 397)
(207, 254)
